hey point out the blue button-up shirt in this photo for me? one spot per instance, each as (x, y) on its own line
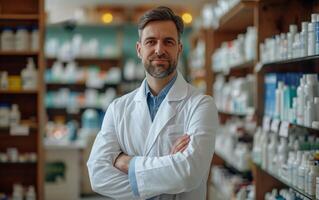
(153, 103)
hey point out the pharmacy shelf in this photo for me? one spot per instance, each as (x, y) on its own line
(231, 114)
(19, 53)
(309, 64)
(228, 163)
(309, 129)
(238, 18)
(285, 182)
(76, 86)
(7, 92)
(10, 164)
(19, 17)
(239, 70)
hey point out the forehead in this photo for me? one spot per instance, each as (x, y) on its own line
(159, 29)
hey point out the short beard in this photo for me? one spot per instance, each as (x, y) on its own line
(151, 70)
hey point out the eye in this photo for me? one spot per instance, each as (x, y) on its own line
(149, 42)
(170, 42)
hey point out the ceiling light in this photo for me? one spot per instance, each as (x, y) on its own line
(107, 18)
(187, 18)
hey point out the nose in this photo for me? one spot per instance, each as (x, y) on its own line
(159, 50)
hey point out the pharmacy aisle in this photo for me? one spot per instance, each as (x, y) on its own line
(21, 99)
(263, 74)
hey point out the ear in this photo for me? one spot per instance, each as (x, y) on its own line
(180, 48)
(138, 49)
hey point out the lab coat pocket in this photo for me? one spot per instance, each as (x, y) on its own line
(174, 132)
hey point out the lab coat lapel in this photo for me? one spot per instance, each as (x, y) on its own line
(142, 114)
(166, 111)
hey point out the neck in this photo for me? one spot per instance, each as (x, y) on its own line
(156, 84)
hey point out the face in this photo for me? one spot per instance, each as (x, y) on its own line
(159, 48)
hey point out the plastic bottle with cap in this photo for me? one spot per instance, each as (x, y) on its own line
(290, 40)
(304, 39)
(311, 39)
(300, 102)
(31, 195)
(317, 34)
(14, 115)
(7, 39)
(309, 113)
(4, 84)
(22, 39)
(312, 175)
(34, 39)
(17, 192)
(29, 75)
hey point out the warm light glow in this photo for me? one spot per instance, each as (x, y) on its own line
(187, 18)
(107, 18)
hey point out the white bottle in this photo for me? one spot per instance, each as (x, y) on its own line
(307, 170)
(264, 153)
(316, 102)
(282, 153)
(257, 146)
(304, 39)
(7, 40)
(57, 71)
(35, 39)
(301, 102)
(31, 195)
(301, 172)
(272, 151)
(313, 174)
(14, 115)
(296, 46)
(309, 114)
(311, 39)
(29, 76)
(295, 168)
(290, 40)
(317, 36)
(4, 84)
(290, 163)
(17, 192)
(22, 39)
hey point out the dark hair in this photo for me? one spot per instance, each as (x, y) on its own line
(161, 13)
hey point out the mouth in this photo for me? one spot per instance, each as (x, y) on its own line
(160, 61)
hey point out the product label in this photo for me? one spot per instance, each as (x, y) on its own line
(275, 125)
(266, 123)
(284, 129)
(20, 130)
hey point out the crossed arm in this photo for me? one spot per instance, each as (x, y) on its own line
(122, 161)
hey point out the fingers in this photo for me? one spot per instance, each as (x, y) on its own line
(180, 144)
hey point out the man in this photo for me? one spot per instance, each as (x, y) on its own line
(156, 142)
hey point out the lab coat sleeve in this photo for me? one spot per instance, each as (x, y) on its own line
(105, 178)
(182, 172)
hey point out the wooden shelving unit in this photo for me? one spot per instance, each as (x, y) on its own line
(15, 13)
(103, 63)
(238, 18)
(270, 17)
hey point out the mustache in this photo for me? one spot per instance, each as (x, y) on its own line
(161, 57)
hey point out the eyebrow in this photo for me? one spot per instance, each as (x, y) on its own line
(166, 38)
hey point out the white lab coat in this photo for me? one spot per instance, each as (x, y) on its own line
(127, 127)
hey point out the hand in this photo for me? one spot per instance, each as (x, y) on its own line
(180, 144)
(122, 162)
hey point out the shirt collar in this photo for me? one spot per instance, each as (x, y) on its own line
(164, 91)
